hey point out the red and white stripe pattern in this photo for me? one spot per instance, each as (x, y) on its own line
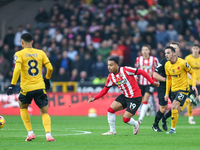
(125, 81)
(148, 65)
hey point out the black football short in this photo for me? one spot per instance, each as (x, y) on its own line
(146, 88)
(161, 95)
(131, 104)
(39, 97)
(179, 96)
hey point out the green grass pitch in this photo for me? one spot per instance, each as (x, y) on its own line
(84, 133)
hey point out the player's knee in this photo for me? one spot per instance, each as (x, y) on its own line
(163, 109)
(110, 110)
(125, 120)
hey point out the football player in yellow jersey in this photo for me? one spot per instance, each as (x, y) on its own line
(176, 70)
(28, 64)
(194, 61)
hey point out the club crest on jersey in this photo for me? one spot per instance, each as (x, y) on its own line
(146, 67)
(178, 68)
(196, 64)
(173, 70)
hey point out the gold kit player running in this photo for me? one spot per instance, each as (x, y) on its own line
(123, 77)
(28, 64)
(194, 61)
(176, 70)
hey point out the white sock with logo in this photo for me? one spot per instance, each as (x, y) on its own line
(111, 121)
(132, 122)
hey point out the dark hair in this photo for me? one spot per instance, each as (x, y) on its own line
(145, 45)
(196, 45)
(115, 59)
(26, 37)
(175, 43)
(170, 47)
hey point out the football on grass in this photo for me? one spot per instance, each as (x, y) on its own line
(2, 121)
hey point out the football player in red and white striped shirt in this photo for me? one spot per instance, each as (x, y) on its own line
(131, 97)
(148, 64)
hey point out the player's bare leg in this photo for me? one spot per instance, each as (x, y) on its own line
(127, 118)
(144, 106)
(115, 106)
(46, 122)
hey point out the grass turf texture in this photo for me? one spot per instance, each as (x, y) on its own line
(68, 133)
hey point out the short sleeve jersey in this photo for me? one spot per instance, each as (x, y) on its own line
(195, 64)
(32, 61)
(125, 81)
(178, 72)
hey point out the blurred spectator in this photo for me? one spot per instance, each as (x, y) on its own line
(66, 63)
(83, 76)
(173, 35)
(116, 52)
(71, 54)
(41, 18)
(99, 80)
(9, 38)
(162, 35)
(4, 67)
(104, 50)
(177, 23)
(74, 76)
(99, 68)
(62, 75)
(17, 39)
(86, 63)
(8, 53)
(96, 40)
(142, 23)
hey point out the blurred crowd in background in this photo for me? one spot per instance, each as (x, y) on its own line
(78, 37)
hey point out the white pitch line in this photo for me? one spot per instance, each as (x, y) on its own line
(77, 133)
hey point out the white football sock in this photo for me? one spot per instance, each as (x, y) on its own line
(132, 122)
(30, 132)
(48, 134)
(143, 111)
(111, 121)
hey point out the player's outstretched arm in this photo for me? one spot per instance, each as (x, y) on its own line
(99, 95)
(90, 100)
(158, 77)
(143, 73)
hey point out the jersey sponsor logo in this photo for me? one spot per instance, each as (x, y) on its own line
(187, 65)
